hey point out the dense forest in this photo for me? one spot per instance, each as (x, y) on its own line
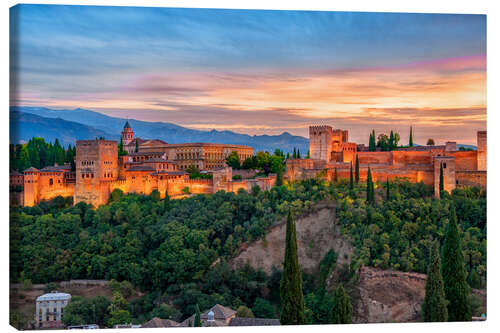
(176, 250)
(39, 154)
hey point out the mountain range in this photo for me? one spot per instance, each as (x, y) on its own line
(71, 125)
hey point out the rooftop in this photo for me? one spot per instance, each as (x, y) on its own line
(53, 296)
(158, 322)
(238, 321)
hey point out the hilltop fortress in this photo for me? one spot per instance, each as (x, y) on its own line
(331, 150)
(156, 165)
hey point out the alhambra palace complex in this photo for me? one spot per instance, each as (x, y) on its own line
(160, 166)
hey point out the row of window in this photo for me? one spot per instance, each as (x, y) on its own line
(86, 163)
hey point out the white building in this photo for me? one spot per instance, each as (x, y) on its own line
(49, 309)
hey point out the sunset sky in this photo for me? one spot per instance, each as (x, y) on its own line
(257, 72)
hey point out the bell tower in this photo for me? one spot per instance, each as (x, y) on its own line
(127, 134)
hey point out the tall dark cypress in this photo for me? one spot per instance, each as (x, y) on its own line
(434, 306)
(279, 177)
(356, 171)
(388, 189)
(166, 201)
(351, 181)
(391, 140)
(342, 308)
(197, 317)
(370, 190)
(294, 153)
(456, 288)
(335, 176)
(136, 145)
(298, 153)
(441, 180)
(372, 143)
(410, 143)
(292, 298)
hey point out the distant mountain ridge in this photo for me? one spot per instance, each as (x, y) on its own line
(24, 126)
(111, 127)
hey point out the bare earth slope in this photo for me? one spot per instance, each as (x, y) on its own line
(317, 233)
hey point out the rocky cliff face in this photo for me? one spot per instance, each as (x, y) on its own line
(317, 233)
(388, 296)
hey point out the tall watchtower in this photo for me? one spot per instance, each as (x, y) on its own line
(320, 142)
(481, 150)
(127, 134)
(96, 166)
(449, 178)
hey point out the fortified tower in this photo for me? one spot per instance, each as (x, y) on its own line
(127, 134)
(320, 142)
(481, 151)
(31, 179)
(449, 177)
(96, 166)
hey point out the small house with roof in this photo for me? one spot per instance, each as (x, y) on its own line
(49, 309)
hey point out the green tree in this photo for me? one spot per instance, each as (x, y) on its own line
(233, 160)
(410, 141)
(356, 173)
(292, 298)
(298, 153)
(430, 142)
(197, 317)
(388, 190)
(294, 153)
(279, 177)
(342, 308)
(308, 154)
(370, 190)
(244, 312)
(371, 141)
(434, 307)
(335, 176)
(262, 308)
(351, 180)
(136, 145)
(118, 317)
(454, 275)
(166, 202)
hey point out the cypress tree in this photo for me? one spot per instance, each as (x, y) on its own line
(441, 181)
(279, 176)
(342, 308)
(370, 190)
(434, 306)
(351, 181)
(391, 141)
(335, 176)
(388, 193)
(292, 299)
(197, 317)
(166, 201)
(294, 153)
(372, 143)
(298, 153)
(308, 154)
(454, 275)
(410, 143)
(357, 169)
(136, 145)
(287, 156)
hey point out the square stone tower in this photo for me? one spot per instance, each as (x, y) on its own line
(448, 163)
(320, 142)
(96, 166)
(481, 150)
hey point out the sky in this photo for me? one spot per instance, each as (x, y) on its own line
(257, 72)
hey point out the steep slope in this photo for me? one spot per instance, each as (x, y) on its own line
(317, 233)
(168, 132)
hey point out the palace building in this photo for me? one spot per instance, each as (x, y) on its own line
(331, 150)
(156, 165)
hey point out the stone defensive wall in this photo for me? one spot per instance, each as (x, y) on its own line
(471, 178)
(465, 160)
